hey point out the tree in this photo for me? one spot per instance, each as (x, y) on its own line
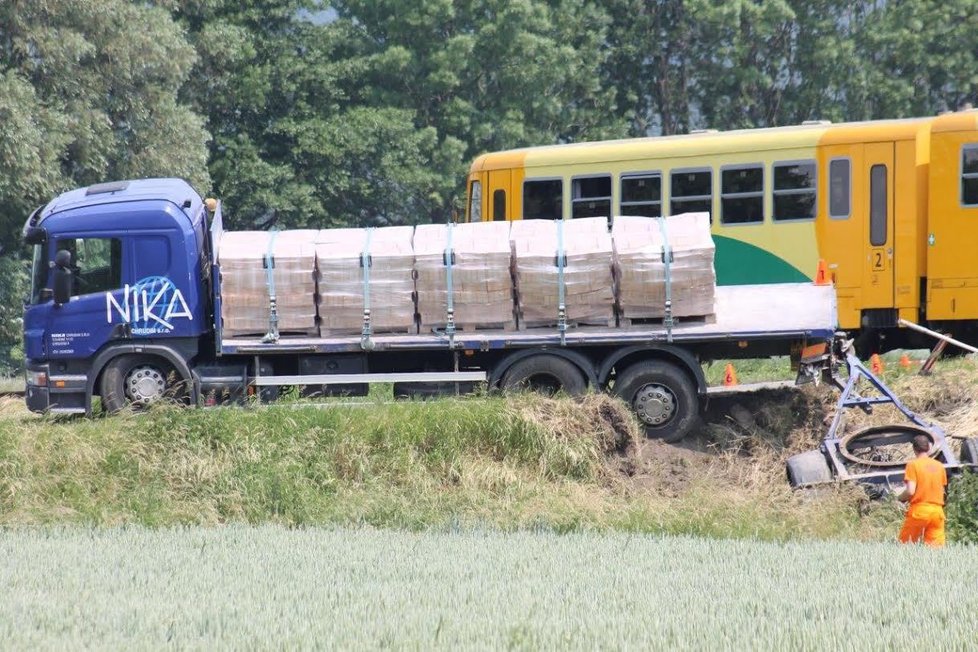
(921, 61)
(296, 144)
(486, 75)
(652, 63)
(88, 92)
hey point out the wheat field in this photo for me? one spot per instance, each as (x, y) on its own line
(267, 587)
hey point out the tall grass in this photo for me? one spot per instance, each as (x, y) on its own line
(509, 463)
(10, 382)
(277, 588)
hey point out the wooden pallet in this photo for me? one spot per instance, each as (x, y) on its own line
(637, 322)
(523, 325)
(508, 326)
(231, 332)
(349, 332)
(498, 326)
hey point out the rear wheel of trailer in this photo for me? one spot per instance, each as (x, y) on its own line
(663, 397)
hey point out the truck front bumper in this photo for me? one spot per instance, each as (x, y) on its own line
(38, 397)
(60, 394)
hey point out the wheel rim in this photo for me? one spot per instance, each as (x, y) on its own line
(145, 384)
(655, 404)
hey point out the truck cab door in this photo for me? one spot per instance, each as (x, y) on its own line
(100, 272)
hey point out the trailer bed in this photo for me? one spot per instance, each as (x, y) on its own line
(743, 312)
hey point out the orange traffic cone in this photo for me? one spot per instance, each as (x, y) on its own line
(729, 376)
(905, 361)
(876, 364)
(822, 273)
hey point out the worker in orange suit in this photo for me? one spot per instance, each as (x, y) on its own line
(925, 480)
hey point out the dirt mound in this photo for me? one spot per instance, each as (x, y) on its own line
(746, 439)
(747, 435)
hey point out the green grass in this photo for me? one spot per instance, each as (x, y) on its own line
(750, 371)
(11, 383)
(509, 464)
(506, 463)
(277, 588)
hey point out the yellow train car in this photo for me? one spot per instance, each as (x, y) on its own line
(890, 205)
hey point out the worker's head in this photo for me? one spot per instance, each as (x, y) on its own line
(921, 444)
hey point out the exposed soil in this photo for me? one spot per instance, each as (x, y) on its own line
(759, 431)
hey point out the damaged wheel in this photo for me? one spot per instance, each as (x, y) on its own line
(808, 469)
(969, 450)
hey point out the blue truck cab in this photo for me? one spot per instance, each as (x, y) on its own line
(136, 272)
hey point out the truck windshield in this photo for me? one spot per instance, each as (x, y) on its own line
(39, 273)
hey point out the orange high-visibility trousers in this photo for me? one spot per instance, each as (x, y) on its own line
(924, 522)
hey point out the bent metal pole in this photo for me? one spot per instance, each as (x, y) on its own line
(927, 331)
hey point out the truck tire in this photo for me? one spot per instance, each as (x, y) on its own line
(421, 391)
(138, 381)
(663, 397)
(545, 373)
(969, 450)
(808, 468)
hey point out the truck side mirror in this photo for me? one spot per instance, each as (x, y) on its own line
(62, 277)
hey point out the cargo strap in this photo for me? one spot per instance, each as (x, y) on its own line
(268, 260)
(450, 288)
(561, 262)
(667, 260)
(366, 262)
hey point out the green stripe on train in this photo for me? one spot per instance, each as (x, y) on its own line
(740, 263)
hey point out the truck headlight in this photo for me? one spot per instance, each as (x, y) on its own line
(37, 378)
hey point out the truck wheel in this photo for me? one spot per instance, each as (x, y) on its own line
(421, 391)
(969, 450)
(808, 469)
(545, 373)
(138, 381)
(663, 397)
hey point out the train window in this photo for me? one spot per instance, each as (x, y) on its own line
(499, 205)
(591, 196)
(543, 199)
(641, 194)
(742, 194)
(691, 191)
(794, 190)
(840, 188)
(969, 175)
(475, 202)
(877, 205)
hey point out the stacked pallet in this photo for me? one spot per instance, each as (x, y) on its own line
(482, 283)
(586, 250)
(245, 283)
(640, 270)
(386, 280)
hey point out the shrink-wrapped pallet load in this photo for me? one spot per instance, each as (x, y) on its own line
(246, 283)
(386, 283)
(586, 251)
(640, 269)
(482, 283)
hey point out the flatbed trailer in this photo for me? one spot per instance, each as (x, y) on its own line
(110, 344)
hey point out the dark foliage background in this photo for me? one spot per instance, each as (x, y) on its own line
(306, 113)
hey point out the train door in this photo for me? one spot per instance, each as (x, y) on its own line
(842, 226)
(499, 197)
(952, 237)
(878, 235)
